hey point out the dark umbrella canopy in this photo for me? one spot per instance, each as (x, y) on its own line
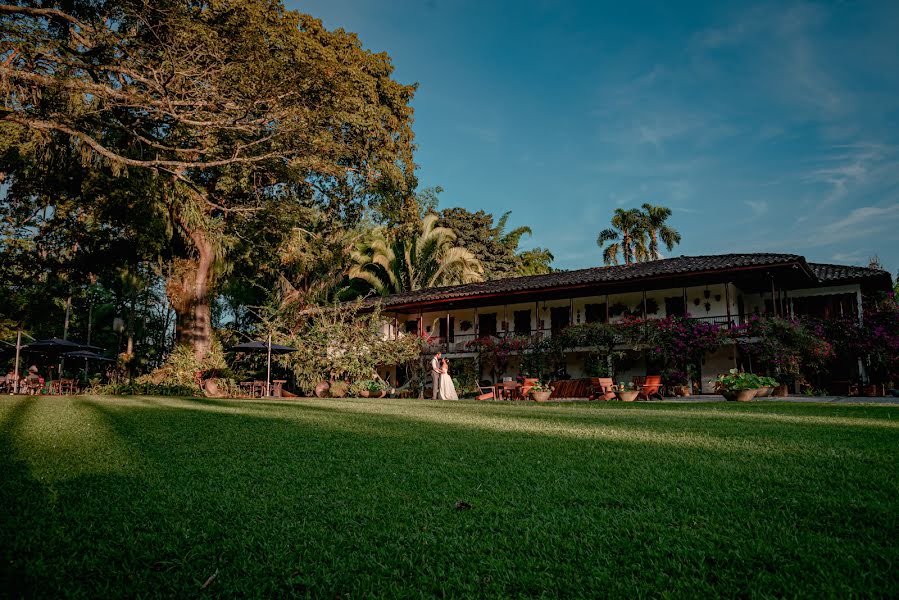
(262, 347)
(56, 346)
(88, 355)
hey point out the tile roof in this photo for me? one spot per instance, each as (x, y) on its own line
(831, 273)
(595, 275)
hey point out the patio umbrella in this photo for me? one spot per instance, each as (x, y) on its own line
(88, 355)
(56, 346)
(269, 348)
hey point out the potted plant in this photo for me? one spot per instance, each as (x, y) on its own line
(339, 389)
(767, 387)
(739, 386)
(626, 392)
(540, 392)
(376, 388)
(359, 389)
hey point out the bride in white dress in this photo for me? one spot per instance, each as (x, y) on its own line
(447, 390)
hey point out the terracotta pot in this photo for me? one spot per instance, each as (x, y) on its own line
(540, 396)
(627, 396)
(874, 390)
(780, 391)
(764, 392)
(321, 390)
(381, 394)
(364, 394)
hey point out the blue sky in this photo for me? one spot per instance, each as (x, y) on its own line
(766, 127)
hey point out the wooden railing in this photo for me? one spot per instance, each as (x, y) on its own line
(459, 342)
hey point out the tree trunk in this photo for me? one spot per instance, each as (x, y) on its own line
(189, 292)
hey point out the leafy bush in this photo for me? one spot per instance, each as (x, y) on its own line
(737, 381)
(344, 341)
(182, 368)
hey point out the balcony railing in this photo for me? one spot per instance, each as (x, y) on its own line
(459, 342)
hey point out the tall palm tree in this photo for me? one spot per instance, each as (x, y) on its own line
(429, 258)
(654, 218)
(626, 237)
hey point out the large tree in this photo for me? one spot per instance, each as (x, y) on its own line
(626, 237)
(495, 248)
(388, 263)
(655, 224)
(234, 109)
(637, 235)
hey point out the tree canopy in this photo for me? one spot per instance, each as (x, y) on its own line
(390, 264)
(496, 249)
(211, 119)
(636, 235)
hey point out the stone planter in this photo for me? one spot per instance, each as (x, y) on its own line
(627, 396)
(739, 395)
(540, 396)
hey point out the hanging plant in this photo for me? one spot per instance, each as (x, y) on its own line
(708, 306)
(695, 301)
(717, 297)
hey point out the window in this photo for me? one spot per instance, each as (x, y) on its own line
(674, 306)
(522, 322)
(449, 336)
(412, 326)
(595, 313)
(487, 324)
(559, 318)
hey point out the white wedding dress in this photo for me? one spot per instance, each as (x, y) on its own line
(446, 389)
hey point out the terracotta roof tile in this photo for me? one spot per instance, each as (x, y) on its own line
(662, 267)
(832, 273)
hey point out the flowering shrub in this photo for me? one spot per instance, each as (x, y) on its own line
(786, 347)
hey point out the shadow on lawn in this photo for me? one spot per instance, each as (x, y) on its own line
(294, 498)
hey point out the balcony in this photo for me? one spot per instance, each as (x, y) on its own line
(458, 343)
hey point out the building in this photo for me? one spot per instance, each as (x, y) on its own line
(724, 289)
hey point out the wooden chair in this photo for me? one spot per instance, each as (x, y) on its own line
(649, 387)
(603, 388)
(485, 390)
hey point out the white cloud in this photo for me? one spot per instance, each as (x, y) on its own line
(758, 207)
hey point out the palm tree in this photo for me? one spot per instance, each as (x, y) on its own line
(654, 218)
(626, 237)
(429, 258)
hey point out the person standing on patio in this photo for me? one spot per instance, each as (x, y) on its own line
(436, 371)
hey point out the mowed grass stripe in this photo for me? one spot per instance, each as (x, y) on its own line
(151, 496)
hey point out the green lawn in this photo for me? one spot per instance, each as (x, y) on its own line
(151, 496)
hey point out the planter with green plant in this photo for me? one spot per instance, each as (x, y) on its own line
(339, 389)
(768, 385)
(739, 386)
(626, 392)
(376, 388)
(540, 392)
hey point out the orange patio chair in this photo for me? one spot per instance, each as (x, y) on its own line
(486, 389)
(602, 388)
(650, 387)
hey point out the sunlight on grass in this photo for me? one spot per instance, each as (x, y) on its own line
(358, 498)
